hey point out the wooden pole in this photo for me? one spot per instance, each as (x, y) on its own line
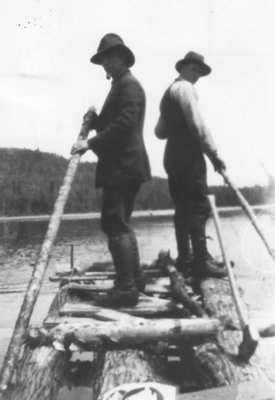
(249, 211)
(39, 270)
(250, 334)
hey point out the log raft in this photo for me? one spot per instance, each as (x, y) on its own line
(169, 337)
(218, 303)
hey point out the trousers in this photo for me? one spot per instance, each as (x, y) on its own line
(188, 191)
(117, 207)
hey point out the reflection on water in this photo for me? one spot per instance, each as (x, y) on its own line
(21, 243)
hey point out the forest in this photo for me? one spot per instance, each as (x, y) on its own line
(30, 181)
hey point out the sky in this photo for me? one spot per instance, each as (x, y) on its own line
(47, 81)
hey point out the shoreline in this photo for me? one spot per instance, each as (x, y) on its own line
(224, 211)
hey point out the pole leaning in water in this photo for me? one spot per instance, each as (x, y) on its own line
(249, 211)
(35, 282)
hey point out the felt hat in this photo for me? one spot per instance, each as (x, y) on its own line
(110, 42)
(192, 56)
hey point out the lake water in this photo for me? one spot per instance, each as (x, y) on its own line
(21, 243)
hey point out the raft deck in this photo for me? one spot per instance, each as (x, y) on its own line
(175, 335)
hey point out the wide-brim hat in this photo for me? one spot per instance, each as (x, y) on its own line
(110, 42)
(192, 56)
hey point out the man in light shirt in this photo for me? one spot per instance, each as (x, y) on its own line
(188, 139)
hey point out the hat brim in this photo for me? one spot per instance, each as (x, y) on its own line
(98, 57)
(205, 69)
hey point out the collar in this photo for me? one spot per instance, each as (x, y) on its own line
(180, 78)
(121, 75)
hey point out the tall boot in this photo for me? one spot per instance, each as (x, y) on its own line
(139, 275)
(183, 243)
(125, 291)
(138, 272)
(203, 262)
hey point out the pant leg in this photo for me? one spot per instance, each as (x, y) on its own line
(201, 211)
(113, 212)
(129, 195)
(180, 194)
(117, 206)
(189, 190)
(129, 198)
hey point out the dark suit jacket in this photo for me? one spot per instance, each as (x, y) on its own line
(119, 142)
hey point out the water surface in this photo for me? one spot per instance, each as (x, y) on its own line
(21, 243)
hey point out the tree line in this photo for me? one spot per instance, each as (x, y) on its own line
(30, 181)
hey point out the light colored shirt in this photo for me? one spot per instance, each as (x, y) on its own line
(186, 96)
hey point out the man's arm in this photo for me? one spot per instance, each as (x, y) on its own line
(185, 94)
(89, 120)
(130, 102)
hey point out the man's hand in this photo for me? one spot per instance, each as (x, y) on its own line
(80, 147)
(88, 122)
(89, 118)
(217, 163)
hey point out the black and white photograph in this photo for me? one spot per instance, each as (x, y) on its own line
(137, 205)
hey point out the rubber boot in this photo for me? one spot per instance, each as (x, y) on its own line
(204, 265)
(138, 272)
(124, 292)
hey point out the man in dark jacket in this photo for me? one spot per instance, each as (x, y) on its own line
(188, 139)
(122, 164)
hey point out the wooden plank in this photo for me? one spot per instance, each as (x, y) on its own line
(100, 275)
(147, 306)
(101, 314)
(104, 286)
(258, 389)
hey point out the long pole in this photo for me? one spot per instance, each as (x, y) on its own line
(249, 211)
(250, 334)
(234, 289)
(39, 270)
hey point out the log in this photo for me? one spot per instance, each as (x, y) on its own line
(138, 331)
(180, 294)
(127, 366)
(40, 374)
(207, 360)
(52, 322)
(211, 365)
(219, 303)
(118, 367)
(217, 298)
